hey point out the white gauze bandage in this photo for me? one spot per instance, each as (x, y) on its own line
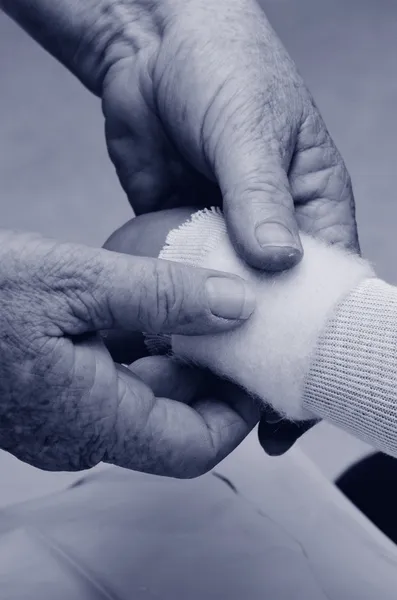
(270, 355)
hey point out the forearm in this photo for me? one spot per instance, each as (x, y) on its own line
(322, 341)
(87, 36)
(352, 381)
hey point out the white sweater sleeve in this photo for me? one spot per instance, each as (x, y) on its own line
(322, 341)
(352, 380)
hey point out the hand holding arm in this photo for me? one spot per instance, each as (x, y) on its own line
(65, 404)
(202, 101)
(321, 343)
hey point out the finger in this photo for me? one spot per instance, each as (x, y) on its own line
(258, 206)
(166, 437)
(135, 140)
(152, 172)
(106, 290)
(277, 436)
(248, 407)
(143, 236)
(321, 187)
(185, 383)
(228, 423)
(170, 379)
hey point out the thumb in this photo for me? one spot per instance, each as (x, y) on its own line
(257, 202)
(107, 290)
(278, 435)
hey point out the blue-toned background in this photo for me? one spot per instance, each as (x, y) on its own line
(55, 176)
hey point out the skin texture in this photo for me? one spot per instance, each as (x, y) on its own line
(65, 404)
(145, 236)
(215, 112)
(202, 106)
(242, 132)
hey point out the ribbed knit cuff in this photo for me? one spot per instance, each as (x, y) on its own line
(271, 355)
(352, 381)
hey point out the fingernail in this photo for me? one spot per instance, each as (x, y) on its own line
(230, 298)
(277, 235)
(272, 417)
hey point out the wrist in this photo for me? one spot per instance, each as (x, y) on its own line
(88, 37)
(269, 355)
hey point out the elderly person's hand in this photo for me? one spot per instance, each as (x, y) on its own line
(214, 110)
(204, 106)
(65, 404)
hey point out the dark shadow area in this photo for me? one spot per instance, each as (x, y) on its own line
(371, 484)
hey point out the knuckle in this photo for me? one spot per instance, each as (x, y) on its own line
(256, 195)
(73, 284)
(313, 131)
(269, 182)
(162, 300)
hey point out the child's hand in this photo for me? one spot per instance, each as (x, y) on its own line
(145, 235)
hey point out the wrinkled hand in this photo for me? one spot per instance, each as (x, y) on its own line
(204, 106)
(65, 404)
(211, 110)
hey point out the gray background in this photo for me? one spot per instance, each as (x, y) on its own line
(55, 176)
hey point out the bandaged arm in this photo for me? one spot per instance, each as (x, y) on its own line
(320, 344)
